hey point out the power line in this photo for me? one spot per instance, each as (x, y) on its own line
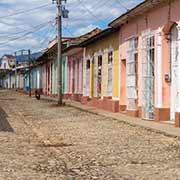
(122, 5)
(34, 27)
(24, 11)
(48, 36)
(91, 13)
(24, 35)
(10, 25)
(20, 12)
(20, 32)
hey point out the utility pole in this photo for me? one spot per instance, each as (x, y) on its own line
(29, 58)
(59, 4)
(62, 12)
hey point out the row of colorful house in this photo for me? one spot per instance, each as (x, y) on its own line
(132, 67)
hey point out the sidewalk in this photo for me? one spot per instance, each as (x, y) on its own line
(166, 129)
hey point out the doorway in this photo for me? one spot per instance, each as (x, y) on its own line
(110, 74)
(123, 82)
(88, 66)
(148, 77)
(174, 71)
(99, 79)
(48, 79)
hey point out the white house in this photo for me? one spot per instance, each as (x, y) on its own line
(7, 62)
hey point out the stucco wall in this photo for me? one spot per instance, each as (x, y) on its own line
(101, 46)
(154, 20)
(74, 72)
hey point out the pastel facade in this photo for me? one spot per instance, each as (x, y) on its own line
(149, 60)
(6, 82)
(65, 74)
(73, 72)
(50, 69)
(26, 81)
(36, 78)
(132, 67)
(101, 70)
(72, 68)
(7, 62)
(46, 72)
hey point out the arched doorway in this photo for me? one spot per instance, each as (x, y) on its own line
(174, 71)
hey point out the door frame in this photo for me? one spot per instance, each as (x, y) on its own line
(174, 67)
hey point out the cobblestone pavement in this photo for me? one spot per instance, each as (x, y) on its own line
(40, 141)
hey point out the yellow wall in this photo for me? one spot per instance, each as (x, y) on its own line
(111, 40)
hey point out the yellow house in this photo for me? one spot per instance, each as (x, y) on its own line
(101, 70)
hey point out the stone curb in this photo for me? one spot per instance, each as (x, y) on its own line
(161, 128)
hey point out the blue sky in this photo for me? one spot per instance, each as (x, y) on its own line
(34, 29)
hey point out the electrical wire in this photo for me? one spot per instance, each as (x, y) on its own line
(81, 2)
(25, 34)
(24, 11)
(20, 32)
(91, 13)
(122, 5)
(20, 12)
(49, 36)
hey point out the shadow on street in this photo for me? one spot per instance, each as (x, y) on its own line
(4, 124)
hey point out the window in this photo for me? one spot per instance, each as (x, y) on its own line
(148, 76)
(132, 74)
(133, 43)
(4, 65)
(150, 41)
(136, 43)
(110, 57)
(88, 64)
(110, 60)
(151, 54)
(99, 61)
(136, 68)
(99, 76)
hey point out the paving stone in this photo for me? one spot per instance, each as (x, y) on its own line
(62, 143)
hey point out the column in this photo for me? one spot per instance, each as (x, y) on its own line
(94, 74)
(178, 75)
(80, 75)
(66, 75)
(71, 78)
(84, 76)
(159, 70)
(104, 90)
(76, 76)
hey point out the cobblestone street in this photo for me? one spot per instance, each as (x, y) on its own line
(40, 141)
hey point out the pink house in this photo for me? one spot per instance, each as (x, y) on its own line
(150, 61)
(74, 55)
(74, 66)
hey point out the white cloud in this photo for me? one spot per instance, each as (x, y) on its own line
(86, 29)
(83, 17)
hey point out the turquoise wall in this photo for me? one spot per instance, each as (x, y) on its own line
(55, 75)
(36, 79)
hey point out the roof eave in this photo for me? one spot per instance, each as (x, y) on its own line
(98, 36)
(138, 10)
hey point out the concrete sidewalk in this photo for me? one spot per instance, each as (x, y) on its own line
(167, 129)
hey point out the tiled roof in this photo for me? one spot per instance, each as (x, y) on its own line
(86, 36)
(9, 56)
(75, 43)
(98, 36)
